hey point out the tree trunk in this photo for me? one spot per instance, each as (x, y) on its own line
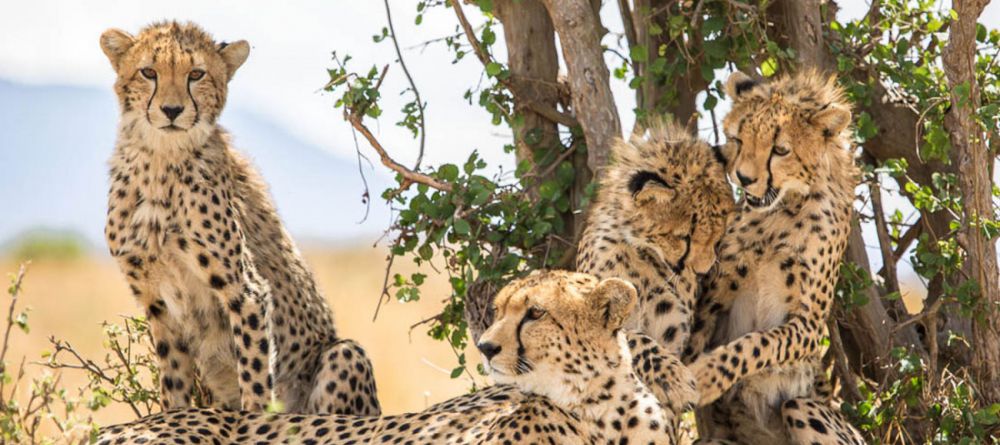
(973, 160)
(800, 26)
(534, 67)
(580, 32)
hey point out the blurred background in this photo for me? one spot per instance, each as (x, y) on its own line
(57, 128)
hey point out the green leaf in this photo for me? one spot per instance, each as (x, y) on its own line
(769, 67)
(462, 227)
(710, 101)
(713, 24)
(639, 53)
(448, 172)
(488, 36)
(493, 69)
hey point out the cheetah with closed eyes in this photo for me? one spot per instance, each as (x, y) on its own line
(565, 375)
(230, 302)
(659, 214)
(767, 302)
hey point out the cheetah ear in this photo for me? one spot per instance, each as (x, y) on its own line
(234, 54)
(739, 84)
(612, 302)
(641, 179)
(115, 43)
(833, 119)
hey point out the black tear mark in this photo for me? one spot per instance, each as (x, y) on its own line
(717, 151)
(640, 179)
(744, 86)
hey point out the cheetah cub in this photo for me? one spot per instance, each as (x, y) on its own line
(231, 303)
(657, 219)
(767, 302)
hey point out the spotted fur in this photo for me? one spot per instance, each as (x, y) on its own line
(766, 304)
(230, 301)
(563, 367)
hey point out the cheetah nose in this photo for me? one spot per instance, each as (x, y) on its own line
(172, 112)
(488, 349)
(744, 181)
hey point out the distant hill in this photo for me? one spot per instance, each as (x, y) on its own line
(55, 142)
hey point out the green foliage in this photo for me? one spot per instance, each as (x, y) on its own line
(851, 286)
(950, 405)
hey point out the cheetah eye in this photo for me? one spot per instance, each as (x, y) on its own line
(781, 151)
(196, 75)
(148, 73)
(535, 312)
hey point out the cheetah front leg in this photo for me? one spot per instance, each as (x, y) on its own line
(248, 316)
(177, 368)
(344, 382)
(812, 422)
(218, 255)
(672, 383)
(176, 365)
(800, 337)
(717, 300)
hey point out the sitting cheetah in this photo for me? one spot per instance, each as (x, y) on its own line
(229, 299)
(772, 291)
(659, 213)
(563, 367)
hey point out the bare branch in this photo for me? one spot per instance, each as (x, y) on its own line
(413, 85)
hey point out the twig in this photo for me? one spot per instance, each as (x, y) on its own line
(631, 36)
(413, 86)
(841, 364)
(385, 286)
(932, 310)
(15, 292)
(884, 241)
(425, 321)
(364, 181)
(555, 164)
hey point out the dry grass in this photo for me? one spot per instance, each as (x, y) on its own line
(69, 299)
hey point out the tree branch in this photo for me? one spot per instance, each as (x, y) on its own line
(407, 174)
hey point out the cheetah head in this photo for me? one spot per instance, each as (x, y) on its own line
(555, 331)
(671, 192)
(172, 79)
(781, 135)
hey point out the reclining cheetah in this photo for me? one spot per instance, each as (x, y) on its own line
(229, 299)
(788, 146)
(563, 367)
(658, 216)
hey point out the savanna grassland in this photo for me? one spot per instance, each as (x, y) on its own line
(69, 298)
